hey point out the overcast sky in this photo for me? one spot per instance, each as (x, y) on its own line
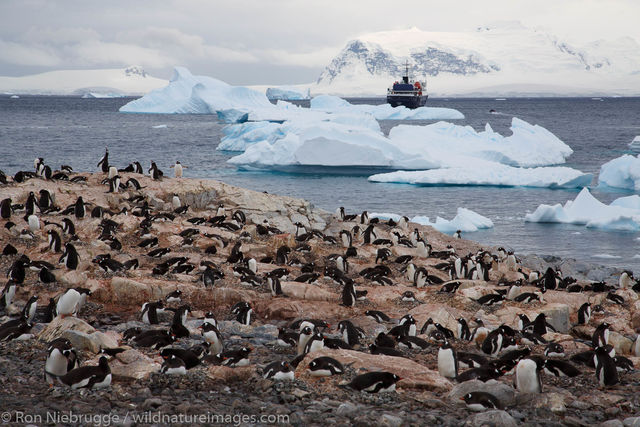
(261, 41)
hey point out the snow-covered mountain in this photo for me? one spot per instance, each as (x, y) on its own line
(132, 80)
(506, 59)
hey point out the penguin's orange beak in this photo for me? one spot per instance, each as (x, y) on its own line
(461, 398)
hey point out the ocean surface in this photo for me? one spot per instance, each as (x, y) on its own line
(75, 131)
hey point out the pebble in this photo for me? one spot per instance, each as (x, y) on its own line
(631, 422)
(391, 420)
(612, 423)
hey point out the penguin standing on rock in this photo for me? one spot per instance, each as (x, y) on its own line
(606, 371)
(177, 169)
(584, 313)
(447, 361)
(348, 295)
(155, 172)
(69, 257)
(527, 377)
(103, 164)
(61, 359)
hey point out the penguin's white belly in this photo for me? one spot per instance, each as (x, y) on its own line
(283, 376)
(321, 373)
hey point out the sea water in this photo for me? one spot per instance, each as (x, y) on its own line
(75, 131)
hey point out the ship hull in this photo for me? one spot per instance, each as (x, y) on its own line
(407, 100)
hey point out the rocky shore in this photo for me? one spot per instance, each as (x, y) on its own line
(138, 388)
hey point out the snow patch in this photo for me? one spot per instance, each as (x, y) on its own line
(465, 220)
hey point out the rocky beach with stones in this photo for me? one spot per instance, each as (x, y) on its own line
(268, 223)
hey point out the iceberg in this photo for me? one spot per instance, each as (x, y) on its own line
(288, 93)
(465, 220)
(334, 104)
(237, 137)
(528, 146)
(328, 144)
(586, 210)
(491, 174)
(635, 144)
(621, 172)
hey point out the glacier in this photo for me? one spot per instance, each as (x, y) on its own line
(585, 209)
(465, 220)
(483, 173)
(621, 172)
(288, 93)
(334, 104)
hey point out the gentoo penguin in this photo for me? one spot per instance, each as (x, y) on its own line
(274, 285)
(175, 201)
(447, 361)
(345, 238)
(510, 262)
(278, 371)
(348, 295)
(457, 234)
(69, 257)
(34, 223)
(113, 171)
(493, 343)
(68, 303)
(190, 358)
(155, 172)
(600, 335)
(464, 334)
(315, 343)
(68, 227)
(20, 331)
(350, 333)
(325, 366)
(212, 335)
(17, 272)
(626, 280)
(149, 312)
(173, 297)
(560, 368)
(177, 169)
(5, 208)
(177, 325)
(606, 371)
(61, 358)
(378, 316)
(584, 313)
(491, 299)
(423, 250)
(209, 317)
(375, 382)
(481, 401)
(55, 243)
(30, 308)
(236, 358)
(173, 365)
(8, 293)
(623, 364)
(114, 184)
(79, 208)
(554, 349)
(244, 315)
(303, 338)
(527, 377)
(103, 164)
(88, 376)
(470, 360)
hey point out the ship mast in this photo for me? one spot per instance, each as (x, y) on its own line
(405, 78)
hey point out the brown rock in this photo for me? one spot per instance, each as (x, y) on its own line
(307, 291)
(59, 325)
(412, 374)
(132, 365)
(226, 374)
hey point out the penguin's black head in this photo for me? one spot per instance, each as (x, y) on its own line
(103, 362)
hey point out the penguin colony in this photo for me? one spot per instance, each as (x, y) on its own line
(354, 256)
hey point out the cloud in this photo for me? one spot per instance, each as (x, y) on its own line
(20, 54)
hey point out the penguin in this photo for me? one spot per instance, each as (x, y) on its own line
(345, 238)
(560, 368)
(30, 309)
(350, 333)
(69, 257)
(626, 280)
(68, 302)
(68, 227)
(88, 376)
(244, 315)
(236, 358)
(523, 321)
(177, 324)
(209, 317)
(55, 243)
(34, 223)
(103, 164)
(491, 299)
(470, 360)
(8, 293)
(79, 208)
(303, 338)
(315, 343)
(378, 316)
(606, 371)
(464, 334)
(173, 365)
(325, 366)
(173, 297)
(19, 331)
(493, 343)
(623, 364)
(278, 371)
(149, 312)
(457, 234)
(155, 172)
(17, 272)
(5, 208)
(527, 377)
(114, 184)
(30, 205)
(636, 346)
(540, 325)
(156, 338)
(481, 401)
(375, 382)
(113, 171)
(554, 350)
(348, 295)
(177, 169)
(447, 361)
(600, 335)
(584, 313)
(212, 335)
(482, 373)
(61, 358)
(274, 285)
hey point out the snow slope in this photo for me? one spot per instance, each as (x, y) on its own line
(504, 59)
(129, 81)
